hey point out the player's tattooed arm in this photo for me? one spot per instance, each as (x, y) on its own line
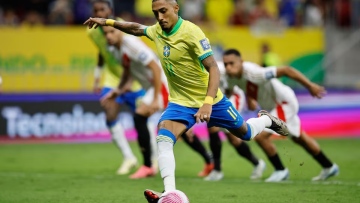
(214, 75)
(204, 112)
(130, 28)
(127, 27)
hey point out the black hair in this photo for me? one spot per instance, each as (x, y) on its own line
(165, 0)
(232, 51)
(108, 2)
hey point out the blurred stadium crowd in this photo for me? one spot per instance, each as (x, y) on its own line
(287, 13)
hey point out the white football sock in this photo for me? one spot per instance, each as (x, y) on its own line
(167, 164)
(153, 134)
(118, 136)
(266, 120)
(258, 125)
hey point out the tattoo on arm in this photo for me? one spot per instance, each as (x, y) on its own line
(130, 28)
(214, 75)
(209, 62)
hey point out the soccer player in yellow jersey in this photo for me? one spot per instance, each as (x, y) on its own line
(193, 78)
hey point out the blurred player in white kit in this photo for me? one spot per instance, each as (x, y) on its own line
(261, 88)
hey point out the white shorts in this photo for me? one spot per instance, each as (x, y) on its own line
(288, 112)
(163, 97)
(238, 99)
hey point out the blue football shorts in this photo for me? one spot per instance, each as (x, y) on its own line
(128, 98)
(223, 115)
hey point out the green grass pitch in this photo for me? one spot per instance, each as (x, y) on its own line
(85, 173)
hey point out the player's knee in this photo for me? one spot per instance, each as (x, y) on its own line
(234, 142)
(243, 132)
(110, 116)
(111, 113)
(259, 139)
(161, 125)
(214, 130)
(165, 135)
(189, 133)
(143, 110)
(188, 137)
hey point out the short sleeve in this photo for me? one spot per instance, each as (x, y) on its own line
(138, 51)
(257, 74)
(200, 43)
(150, 32)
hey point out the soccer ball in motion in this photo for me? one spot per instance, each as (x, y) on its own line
(173, 196)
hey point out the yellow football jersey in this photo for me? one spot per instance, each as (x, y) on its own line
(181, 52)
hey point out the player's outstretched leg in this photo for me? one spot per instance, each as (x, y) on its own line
(243, 149)
(277, 125)
(253, 126)
(193, 141)
(312, 147)
(224, 115)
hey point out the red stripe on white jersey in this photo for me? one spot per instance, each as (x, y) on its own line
(280, 112)
(126, 61)
(237, 101)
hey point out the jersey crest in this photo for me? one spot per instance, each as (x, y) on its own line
(166, 51)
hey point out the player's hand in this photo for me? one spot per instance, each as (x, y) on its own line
(203, 113)
(317, 91)
(109, 98)
(95, 21)
(154, 106)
